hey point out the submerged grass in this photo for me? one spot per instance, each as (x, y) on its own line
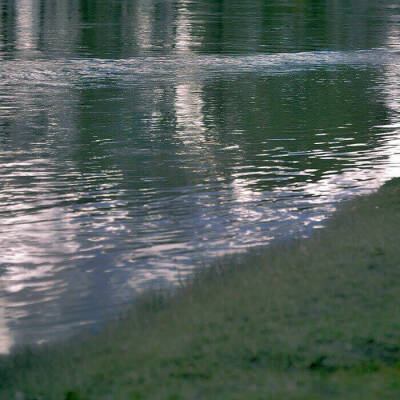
(310, 319)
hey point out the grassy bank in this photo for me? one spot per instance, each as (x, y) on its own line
(311, 319)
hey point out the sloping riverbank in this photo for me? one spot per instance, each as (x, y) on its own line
(314, 319)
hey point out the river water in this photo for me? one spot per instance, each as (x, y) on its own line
(142, 138)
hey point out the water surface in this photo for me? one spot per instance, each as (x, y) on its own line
(140, 139)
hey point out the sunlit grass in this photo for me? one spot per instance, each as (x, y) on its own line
(311, 319)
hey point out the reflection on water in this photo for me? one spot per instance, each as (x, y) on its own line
(6, 336)
(140, 139)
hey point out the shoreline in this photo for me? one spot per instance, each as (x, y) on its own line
(305, 319)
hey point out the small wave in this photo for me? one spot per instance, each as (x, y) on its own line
(84, 71)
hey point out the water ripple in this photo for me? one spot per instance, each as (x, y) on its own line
(61, 73)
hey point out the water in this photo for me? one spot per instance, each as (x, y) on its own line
(140, 139)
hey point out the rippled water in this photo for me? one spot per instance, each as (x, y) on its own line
(139, 139)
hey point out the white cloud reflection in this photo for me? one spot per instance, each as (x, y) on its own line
(26, 19)
(185, 40)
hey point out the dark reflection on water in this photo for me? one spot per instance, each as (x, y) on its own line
(141, 138)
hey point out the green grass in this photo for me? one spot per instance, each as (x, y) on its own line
(311, 319)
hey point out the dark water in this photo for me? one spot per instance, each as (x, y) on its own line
(139, 139)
